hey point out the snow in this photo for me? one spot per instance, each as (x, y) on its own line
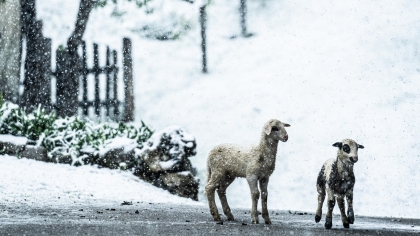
(166, 165)
(124, 143)
(18, 141)
(36, 183)
(177, 139)
(333, 70)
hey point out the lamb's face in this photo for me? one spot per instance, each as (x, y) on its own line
(276, 130)
(347, 150)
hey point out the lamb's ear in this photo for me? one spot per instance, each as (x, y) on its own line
(338, 144)
(267, 129)
(360, 146)
(286, 125)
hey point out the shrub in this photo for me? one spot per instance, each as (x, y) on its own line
(65, 137)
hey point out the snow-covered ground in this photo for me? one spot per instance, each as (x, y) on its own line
(38, 184)
(332, 70)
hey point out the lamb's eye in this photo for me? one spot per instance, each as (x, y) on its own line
(346, 148)
(274, 129)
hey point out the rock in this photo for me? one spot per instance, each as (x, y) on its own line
(35, 153)
(163, 161)
(12, 145)
(19, 147)
(113, 158)
(183, 184)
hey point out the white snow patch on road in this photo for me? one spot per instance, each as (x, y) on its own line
(24, 181)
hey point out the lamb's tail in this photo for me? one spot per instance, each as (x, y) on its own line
(208, 178)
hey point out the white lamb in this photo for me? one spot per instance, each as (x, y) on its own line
(255, 163)
(336, 178)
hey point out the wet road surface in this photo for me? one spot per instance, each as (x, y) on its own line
(162, 219)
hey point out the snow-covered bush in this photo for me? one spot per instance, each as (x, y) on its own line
(13, 120)
(169, 149)
(65, 137)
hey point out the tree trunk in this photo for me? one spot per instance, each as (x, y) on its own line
(203, 24)
(10, 49)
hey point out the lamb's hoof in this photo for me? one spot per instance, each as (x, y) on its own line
(217, 219)
(346, 225)
(230, 218)
(328, 222)
(317, 218)
(268, 222)
(350, 217)
(255, 222)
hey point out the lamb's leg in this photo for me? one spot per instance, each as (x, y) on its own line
(255, 195)
(350, 212)
(340, 201)
(321, 198)
(222, 195)
(264, 195)
(210, 189)
(331, 204)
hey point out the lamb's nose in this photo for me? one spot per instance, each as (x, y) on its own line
(286, 137)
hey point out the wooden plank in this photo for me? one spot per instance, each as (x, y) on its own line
(96, 71)
(45, 72)
(128, 82)
(115, 86)
(108, 79)
(84, 80)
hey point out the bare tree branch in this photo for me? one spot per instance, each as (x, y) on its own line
(189, 1)
(75, 39)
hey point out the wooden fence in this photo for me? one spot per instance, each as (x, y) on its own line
(72, 79)
(113, 108)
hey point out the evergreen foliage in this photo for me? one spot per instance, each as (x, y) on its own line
(65, 137)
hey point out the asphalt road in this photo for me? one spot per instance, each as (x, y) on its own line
(162, 219)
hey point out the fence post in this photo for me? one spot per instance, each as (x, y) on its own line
(84, 81)
(108, 80)
(64, 84)
(115, 86)
(96, 71)
(203, 21)
(37, 85)
(242, 12)
(68, 72)
(128, 81)
(45, 96)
